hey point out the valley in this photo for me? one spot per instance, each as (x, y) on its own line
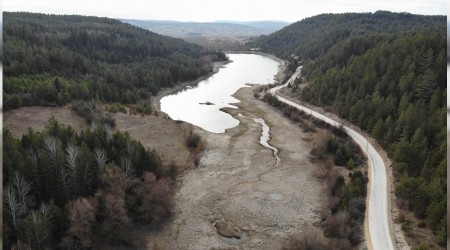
(219, 146)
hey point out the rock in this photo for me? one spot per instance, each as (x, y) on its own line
(228, 229)
(206, 103)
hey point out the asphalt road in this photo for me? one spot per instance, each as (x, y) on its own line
(378, 212)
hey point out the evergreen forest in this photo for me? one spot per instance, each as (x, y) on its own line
(386, 73)
(54, 59)
(87, 190)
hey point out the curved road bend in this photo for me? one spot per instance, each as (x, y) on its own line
(378, 212)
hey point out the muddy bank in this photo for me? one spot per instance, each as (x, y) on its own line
(238, 189)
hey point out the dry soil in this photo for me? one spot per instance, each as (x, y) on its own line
(238, 189)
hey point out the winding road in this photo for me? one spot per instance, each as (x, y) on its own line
(379, 236)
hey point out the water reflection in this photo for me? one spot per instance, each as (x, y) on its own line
(189, 105)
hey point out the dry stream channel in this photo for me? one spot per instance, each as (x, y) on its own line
(241, 195)
(265, 136)
(201, 105)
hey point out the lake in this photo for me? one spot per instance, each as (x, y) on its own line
(190, 104)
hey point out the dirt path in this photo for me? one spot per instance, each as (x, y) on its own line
(239, 189)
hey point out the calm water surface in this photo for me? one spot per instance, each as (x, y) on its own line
(217, 89)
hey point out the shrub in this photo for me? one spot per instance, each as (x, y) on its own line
(116, 107)
(197, 160)
(84, 109)
(192, 140)
(351, 164)
(320, 144)
(311, 239)
(150, 200)
(92, 114)
(401, 218)
(406, 227)
(421, 246)
(109, 120)
(338, 225)
(142, 107)
(339, 244)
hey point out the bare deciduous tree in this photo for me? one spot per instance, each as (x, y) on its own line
(115, 178)
(338, 225)
(30, 152)
(153, 200)
(320, 143)
(127, 167)
(72, 152)
(116, 224)
(21, 246)
(23, 189)
(129, 146)
(52, 145)
(37, 229)
(63, 175)
(310, 239)
(101, 157)
(15, 209)
(82, 219)
(109, 131)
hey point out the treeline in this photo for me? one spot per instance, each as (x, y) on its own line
(386, 73)
(53, 59)
(340, 34)
(397, 93)
(64, 190)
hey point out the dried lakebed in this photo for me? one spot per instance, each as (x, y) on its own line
(238, 198)
(265, 135)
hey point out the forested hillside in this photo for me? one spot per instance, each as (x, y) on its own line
(64, 190)
(52, 59)
(340, 33)
(386, 73)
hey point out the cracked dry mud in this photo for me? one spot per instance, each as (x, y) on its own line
(238, 188)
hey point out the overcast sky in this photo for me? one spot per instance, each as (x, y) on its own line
(212, 10)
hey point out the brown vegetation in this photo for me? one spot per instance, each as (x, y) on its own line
(151, 198)
(319, 144)
(192, 139)
(112, 210)
(331, 146)
(92, 113)
(81, 218)
(310, 239)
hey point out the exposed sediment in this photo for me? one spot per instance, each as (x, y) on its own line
(238, 197)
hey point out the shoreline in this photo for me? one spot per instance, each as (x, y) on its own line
(256, 53)
(242, 173)
(171, 90)
(216, 67)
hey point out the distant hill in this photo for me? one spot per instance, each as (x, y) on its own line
(52, 59)
(208, 29)
(270, 25)
(314, 36)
